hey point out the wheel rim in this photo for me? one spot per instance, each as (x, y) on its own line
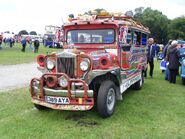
(141, 82)
(110, 99)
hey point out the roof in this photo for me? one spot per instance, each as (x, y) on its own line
(116, 20)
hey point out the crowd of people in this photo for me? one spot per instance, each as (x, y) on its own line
(173, 53)
(6, 41)
(33, 45)
(27, 40)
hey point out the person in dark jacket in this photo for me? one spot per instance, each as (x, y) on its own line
(150, 56)
(36, 45)
(11, 42)
(23, 42)
(173, 59)
(165, 52)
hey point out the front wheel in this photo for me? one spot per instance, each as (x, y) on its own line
(183, 81)
(106, 100)
(138, 85)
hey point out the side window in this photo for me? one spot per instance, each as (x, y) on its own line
(129, 37)
(144, 39)
(138, 39)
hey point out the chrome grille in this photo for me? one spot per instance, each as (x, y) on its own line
(66, 65)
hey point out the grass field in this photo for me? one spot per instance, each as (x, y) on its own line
(9, 56)
(155, 112)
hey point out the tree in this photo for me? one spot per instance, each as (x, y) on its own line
(23, 32)
(98, 10)
(155, 21)
(138, 13)
(33, 33)
(176, 28)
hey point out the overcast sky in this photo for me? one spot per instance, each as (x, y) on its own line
(33, 15)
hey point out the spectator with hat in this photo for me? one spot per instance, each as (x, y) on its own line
(173, 59)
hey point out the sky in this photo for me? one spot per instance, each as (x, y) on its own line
(33, 15)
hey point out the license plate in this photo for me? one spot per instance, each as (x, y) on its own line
(57, 100)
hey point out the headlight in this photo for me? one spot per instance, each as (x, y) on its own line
(50, 64)
(84, 65)
(63, 81)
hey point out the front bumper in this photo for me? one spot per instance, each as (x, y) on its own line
(81, 98)
(62, 107)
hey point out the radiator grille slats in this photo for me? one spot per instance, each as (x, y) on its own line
(66, 65)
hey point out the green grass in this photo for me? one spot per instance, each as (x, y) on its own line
(9, 56)
(155, 112)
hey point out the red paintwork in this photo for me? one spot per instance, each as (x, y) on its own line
(38, 60)
(102, 66)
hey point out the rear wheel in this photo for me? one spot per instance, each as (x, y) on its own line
(138, 85)
(183, 81)
(39, 107)
(106, 100)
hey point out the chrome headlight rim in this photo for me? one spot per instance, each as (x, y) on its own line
(50, 64)
(63, 81)
(85, 64)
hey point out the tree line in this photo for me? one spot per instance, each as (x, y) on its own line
(24, 32)
(162, 29)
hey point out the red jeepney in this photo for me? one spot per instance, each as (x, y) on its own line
(102, 56)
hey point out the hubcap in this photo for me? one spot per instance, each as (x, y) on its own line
(110, 99)
(141, 82)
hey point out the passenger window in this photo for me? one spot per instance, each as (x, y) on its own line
(144, 39)
(138, 39)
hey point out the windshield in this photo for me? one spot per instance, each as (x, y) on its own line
(100, 36)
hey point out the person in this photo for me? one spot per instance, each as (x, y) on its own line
(11, 42)
(166, 48)
(81, 39)
(166, 51)
(5, 41)
(173, 59)
(1, 40)
(157, 49)
(150, 56)
(23, 42)
(36, 45)
(30, 43)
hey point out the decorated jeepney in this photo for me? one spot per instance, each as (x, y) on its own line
(102, 56)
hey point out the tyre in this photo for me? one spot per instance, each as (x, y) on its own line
(39, 107)
(106, 100)
(138, 85)
(183, 81)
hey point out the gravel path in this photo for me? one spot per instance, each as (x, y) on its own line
(17, 76)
